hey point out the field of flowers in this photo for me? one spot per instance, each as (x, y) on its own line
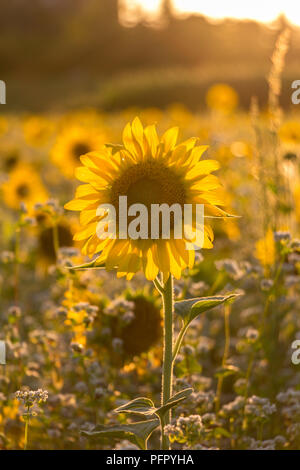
(81, 343)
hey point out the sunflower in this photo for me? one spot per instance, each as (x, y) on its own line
(3, 125)
(73, 142)
(148, 171)
(24, 185)
(289, 132)
(143, 330)
(265, 250)
(10, 158)
(222, 97)
(38, 130)
(46, 241)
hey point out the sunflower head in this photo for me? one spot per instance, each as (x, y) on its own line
(289, 132)
(24, 185)
(11, 157)
(38, 130)
(73, 142)
(265, 250)
(222, 97)
(148, 170)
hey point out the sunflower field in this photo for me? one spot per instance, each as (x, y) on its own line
(141, 343)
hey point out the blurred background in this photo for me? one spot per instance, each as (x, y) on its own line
(115, 53)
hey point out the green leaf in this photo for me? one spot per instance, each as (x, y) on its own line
(173, 401)
(146, 407)
(115, 147)
(189, 365)
(138, 433)
(227, 371)
(140, 405)
(188, 310)
(221, 432)
(94, 264)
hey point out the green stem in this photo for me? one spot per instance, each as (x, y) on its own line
(179, 341)
(225, 354)
(55, 239)
(26, 430)
(247, 379)
(17, 264)
(168, 307)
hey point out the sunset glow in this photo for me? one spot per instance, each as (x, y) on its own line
(257, 10)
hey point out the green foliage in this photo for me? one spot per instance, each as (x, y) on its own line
(188, 310)
(137, 433)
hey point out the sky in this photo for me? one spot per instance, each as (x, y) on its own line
(261, 10)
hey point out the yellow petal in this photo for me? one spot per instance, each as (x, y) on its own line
(202, 168)
(170, 138)
(152, 139)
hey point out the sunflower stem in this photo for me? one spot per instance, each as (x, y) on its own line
(167, 375)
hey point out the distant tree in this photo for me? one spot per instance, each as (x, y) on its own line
(167, 10)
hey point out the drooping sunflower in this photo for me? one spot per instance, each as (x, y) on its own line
(143, 329)
(73, 142)
(147, 170)
(24, 185)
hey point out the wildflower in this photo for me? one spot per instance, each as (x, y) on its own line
(258, 407)
(234, 406)
(30, 397)
(205, 344)
(99, 393)
(148, 171)
(117, 345)
(266, 284)
(198, 288)
(282, 236)
(240, 386)
(14, 311)
(77, 347)
(295, 244)
(265, 249)
(204, 401)
(252, 334)
(119, 306)
(185, 430)
(231, 267)
(23, 186)
(7, 257)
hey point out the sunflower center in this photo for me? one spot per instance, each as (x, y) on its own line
(23, 190)
(80, 148)
(11, 161)
(149, 183)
